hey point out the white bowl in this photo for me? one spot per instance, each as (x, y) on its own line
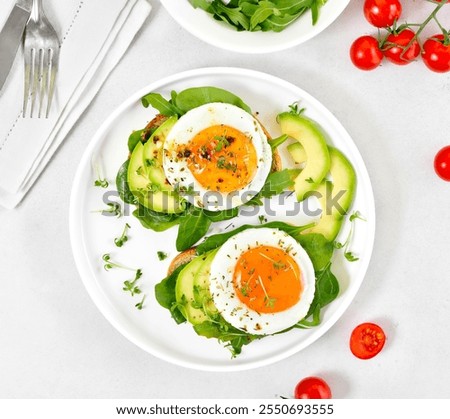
(205, 27)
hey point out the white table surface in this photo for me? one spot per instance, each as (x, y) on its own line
(54, 343)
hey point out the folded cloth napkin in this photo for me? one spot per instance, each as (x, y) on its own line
(94, 35)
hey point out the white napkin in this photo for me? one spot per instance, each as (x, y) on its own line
(94, 35)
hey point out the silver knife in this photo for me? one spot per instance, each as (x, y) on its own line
(11, 36)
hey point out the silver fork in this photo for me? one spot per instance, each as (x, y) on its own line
(41, 53)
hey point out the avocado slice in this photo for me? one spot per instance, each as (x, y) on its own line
(309, 135)
(202, 294)
(153, 154)
(184, 291)
(344, 183)
(148, 193)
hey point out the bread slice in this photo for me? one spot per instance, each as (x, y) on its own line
(181, 259)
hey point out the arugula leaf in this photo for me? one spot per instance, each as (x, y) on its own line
(263, 11)
(215, 241)
(260, 15)
(122, 185)
(194, 224)
(156, 221)
(196, 96)
(162, 105)
(165, 294)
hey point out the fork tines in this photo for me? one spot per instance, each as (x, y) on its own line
(40, 72)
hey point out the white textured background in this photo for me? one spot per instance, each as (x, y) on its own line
(54, 343)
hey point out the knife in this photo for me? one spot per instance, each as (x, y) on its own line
(11, 36)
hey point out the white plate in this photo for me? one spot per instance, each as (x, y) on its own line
(92, 234)
(217, 33)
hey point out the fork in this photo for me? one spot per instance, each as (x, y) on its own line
(41, 56)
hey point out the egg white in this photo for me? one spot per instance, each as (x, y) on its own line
(198, 119)
(232, 309)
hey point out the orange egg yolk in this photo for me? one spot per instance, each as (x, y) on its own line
(267, 280)
(221, 158)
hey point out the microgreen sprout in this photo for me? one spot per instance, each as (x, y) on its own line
(131, 287)
(350, 256)
(113, 208)
(109, 264)
(119, 241)
(294, 109)
(140, 305)
(262, 219)
(101, 180)
(161, 255)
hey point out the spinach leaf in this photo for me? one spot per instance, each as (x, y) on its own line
(122, 185)
(327, 289)
(194, 224)
(196, 96)
(277, 182)
(133, 139)
(215, 241)
(165, 294)
(319, 249)
(162, 105)
(156, 221)
(218, 328)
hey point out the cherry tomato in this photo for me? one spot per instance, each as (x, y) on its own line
(382, 13)
(436, 54)
(442, 163)
(365, 53)
(394, 47)
(312, 388)
(367, 340)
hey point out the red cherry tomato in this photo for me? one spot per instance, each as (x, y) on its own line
(365, 53)
(436, 54)
(442, 163)
(382, 13)
(367, 340)
(394, 47)
(312, 388)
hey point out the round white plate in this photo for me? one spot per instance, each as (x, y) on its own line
(92, 234)
(217, 33)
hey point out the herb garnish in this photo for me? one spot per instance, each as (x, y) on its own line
(119, 241)
(161, 255)
(350, 256)
(130, 286)
(110, 264)
(113, 208)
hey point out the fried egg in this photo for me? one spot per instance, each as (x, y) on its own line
(218, 156)
(262, 281)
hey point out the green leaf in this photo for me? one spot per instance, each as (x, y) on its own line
(162, 105)
(264, 10)
(194, 224)
(122, 185)
(276, 142)
(223, 215)
(165, 294)
(319, 249)
(156, 221)
(215, 241)
(196, 96)
(278, 182)
(133, 139)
